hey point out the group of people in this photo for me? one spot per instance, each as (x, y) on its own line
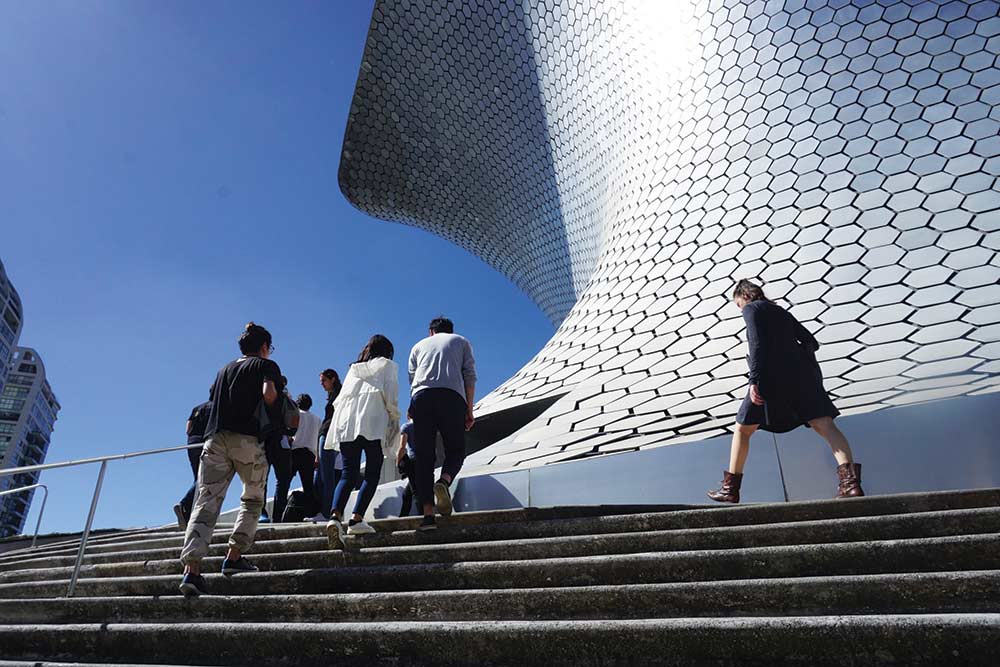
(250, 421)
(251, 424)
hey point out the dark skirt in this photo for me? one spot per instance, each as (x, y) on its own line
(784, 411)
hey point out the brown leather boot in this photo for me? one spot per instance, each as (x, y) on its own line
(729, 492)
(849, 475)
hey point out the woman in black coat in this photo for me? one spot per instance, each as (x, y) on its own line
(786, 391)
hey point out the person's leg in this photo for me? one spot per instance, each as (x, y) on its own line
(732, 479)
(424, 445)
(194, 458)
(283, 473)
(848, 472)
(327, 480)
(373, 472)
(451, 410)
(741, 447)
(188, 500)
(303, 463)
(407, 504)
(351, 451)
(827, 429)
(251, 465)
(216, 471)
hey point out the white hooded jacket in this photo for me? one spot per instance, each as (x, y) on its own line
(368, 405)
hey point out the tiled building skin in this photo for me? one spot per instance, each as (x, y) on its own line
(624, 162)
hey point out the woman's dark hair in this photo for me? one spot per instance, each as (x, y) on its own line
(304, 401)
(331, 374)
(378, 346)
(441, 325)
(749, 291)
(253, 338)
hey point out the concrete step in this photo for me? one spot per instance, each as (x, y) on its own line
(277, 554)
(936, 554)
(926, 639)
(709, 516)
(172, 541)
(32, 568)
(936, 592)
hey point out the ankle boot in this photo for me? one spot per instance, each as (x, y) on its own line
(729, 492)
(849, 476)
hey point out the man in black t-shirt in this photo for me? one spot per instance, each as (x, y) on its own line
(233, 446)
(196, 425)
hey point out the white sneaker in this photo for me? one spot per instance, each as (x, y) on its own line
(338, 530)
(360, 528)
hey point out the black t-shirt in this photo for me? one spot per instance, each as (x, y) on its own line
(199, 422)
(237, 392)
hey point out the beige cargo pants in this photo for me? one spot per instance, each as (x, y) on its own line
(225, 454)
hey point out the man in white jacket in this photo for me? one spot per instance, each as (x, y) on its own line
(443, 390)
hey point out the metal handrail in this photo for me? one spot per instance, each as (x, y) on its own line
(103, 460)
(45, 498)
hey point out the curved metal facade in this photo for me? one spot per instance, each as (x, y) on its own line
(623, 162)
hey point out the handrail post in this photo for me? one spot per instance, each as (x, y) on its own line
(38, 524)
(86, 530)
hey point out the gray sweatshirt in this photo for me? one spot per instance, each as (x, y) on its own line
(442, 361)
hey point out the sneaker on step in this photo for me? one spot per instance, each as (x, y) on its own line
(360, 528)
(182, 520)
(231, 567)
(341, 534)
(427, 525)
(193, 585)
(442, 498)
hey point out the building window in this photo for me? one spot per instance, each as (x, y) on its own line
(27, 368)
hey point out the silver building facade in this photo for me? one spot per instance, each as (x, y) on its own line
(624, 162)
(28, 411)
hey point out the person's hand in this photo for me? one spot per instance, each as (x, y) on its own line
(399, 455)
(755, 396)
(469, 420)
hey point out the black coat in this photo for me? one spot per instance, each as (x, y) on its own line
(782, 362)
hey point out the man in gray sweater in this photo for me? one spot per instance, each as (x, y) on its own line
(442, 389)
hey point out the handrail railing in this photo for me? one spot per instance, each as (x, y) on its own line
(103, 460)
(45, 498)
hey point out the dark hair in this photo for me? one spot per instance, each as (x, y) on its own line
(378, 346)
(749, 291)
(441, 325)
(282, 383)
(253, 338)
(331, 374)
(304, 401)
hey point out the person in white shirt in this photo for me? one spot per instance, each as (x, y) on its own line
(365, 421)
(305, 444)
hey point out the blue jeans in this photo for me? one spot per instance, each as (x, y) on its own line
(351, 451)
(327, 478)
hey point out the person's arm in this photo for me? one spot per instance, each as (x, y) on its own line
(754, 352)
(187, 428)
(469, 378)
(412, 365)
(401, 452)
(390, 395)
(272, 375)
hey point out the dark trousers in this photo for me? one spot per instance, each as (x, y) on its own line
(194, 457)
(327, 478)
(281, 461)
(437, 411)
(303, 464)
(407, 468)
(351, 451)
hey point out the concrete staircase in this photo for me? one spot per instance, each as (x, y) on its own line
(905, 579)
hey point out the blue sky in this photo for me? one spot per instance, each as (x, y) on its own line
(168, 171)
